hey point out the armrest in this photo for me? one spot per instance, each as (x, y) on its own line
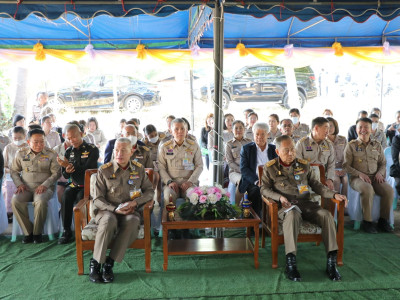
(272, 215)
(81, 212)
(271, 203)
(340, 205)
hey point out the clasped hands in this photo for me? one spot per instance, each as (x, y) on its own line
(128, 209)
(39, 190)
(378, 178)
(183, 186)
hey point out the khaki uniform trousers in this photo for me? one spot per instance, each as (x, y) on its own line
(108, 223)
(313, 213)
(235, 178)
(168, 191)
(367, 192)
(19, 203)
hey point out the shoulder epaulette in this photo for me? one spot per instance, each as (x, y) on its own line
(91, 145)
(352, 141)
(162, 135)
(107, 165)
(190, 142)
(302, 161)
(167, 143)
(138, 164)
(145, 148)
(271, 162)
(303, 139)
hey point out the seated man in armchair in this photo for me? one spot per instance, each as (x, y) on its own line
(252, 155)
(287, 180)
(122, 187)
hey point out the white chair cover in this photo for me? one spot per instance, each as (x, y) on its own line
(3, 212)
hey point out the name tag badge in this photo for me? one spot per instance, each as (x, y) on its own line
(139, 156)
(309, 148)
(303, 189)
(187, 164)
(84, 156)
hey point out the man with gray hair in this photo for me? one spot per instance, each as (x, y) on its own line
(252, 155)
(79, 157)
(122, 188)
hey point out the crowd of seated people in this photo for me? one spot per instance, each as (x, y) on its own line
(43, 158)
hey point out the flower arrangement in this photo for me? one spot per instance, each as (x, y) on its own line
(208, 203)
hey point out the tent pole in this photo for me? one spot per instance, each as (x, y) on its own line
(218, 82)
(192, 98)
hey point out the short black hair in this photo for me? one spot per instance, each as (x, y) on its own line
(17, 118)
(237, 122)
(122, 121)
(373, 116)
(170, 117)
(19, 129)
(42, 120)
(318, 121)
(366, 120)
(294, 110)
(78, 124)
(362, 112)
(136, 120)
(149, 129)
(34, 126)
(248, 110)
(35, 131)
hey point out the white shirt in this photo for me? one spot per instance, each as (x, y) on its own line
(262, 156)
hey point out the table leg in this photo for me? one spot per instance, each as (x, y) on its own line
(165, 247)
(256, 245)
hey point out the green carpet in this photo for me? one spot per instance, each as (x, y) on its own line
(49, 271)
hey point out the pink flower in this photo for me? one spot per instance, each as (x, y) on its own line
(203, 199)
(198, 191)
(228, 194)
(210, 191)
(218, 195)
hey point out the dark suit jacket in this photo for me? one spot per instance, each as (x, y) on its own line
(248, 164)
(110, 148)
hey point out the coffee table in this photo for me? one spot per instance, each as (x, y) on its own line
(211, 245)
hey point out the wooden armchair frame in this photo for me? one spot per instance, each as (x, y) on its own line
(270, 224)
(82, 218)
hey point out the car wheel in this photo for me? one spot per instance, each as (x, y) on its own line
(225, 100)
(296, 103)
(133, 104)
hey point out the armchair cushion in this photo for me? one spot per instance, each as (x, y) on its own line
(90, 230)
(305, 228)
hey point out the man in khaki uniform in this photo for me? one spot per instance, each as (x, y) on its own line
(286, 128)
(180, 163)
(377, 134)
(121, 182)
(316, 148)
(34, 171)
(365, 162)
(287, 180)
(299, 129)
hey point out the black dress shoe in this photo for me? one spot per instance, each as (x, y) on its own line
(107, 272)
(37, 239)
(66, 237)
(10, 217)
(94, 273)
(331, 269)
(28, 239)
(369, 227)
(383, 225)
(291, 268)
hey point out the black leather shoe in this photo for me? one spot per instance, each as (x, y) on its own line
(331, 269)
(383, 225)
(37, 239)
(108, 275)
(94, 274)
(28, 239)
(369, 227)
(10, 217)
(66, 237)
(291, 268)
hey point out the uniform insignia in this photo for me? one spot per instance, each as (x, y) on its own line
(271, 162)
(302, 161)
(168, 143)
(352, 142)
(107, 165)
(145, 148)
(303, 139)
(162, 135)
(85, 153)
(138, 164)
(190, 142)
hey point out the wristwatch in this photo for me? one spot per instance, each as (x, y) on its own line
(169, 182)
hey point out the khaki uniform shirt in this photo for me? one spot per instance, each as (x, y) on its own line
(53, 139)
(291, 182)
(154, 147)
(226, 137)
(232, 153)
(99, 138)
(272, 137)
(9, 153)
(361, 158)
(301, 131)
(249, 134)
(180, 163)
(4, 141)
(339, 144)
(380, 137)
(143, 156)
(315, 153)
(114, 184)
(35, 169)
